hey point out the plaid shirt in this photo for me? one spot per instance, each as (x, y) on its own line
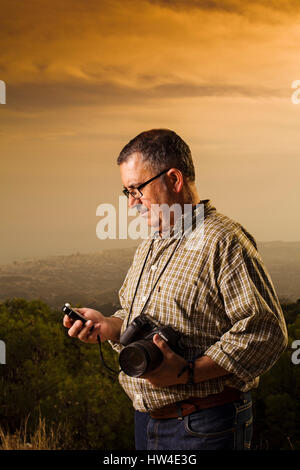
(218, 294)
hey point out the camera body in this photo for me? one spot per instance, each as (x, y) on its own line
(140, 355)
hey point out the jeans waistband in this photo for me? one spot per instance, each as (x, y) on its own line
(192, 404)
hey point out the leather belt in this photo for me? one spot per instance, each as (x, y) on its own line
(192, 404)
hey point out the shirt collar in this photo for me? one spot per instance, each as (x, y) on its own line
(189, 220)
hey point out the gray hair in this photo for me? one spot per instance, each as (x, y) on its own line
(161, 149)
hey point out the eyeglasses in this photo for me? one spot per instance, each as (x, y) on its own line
(135, 192)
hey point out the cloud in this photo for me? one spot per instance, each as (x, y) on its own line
(48, 96)
(119, 40)
(232, 6)
(116, 53)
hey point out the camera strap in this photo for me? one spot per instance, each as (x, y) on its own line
(135, 292)
(134, 296)
(98, 337)
(139, 280)
(158, 278)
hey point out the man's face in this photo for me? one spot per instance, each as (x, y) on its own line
(135, 172)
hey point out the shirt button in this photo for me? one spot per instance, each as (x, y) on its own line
(153, 267)
(144, 298)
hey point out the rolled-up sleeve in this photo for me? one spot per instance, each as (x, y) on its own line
(258, 334)
(117, 346)
(121, 313)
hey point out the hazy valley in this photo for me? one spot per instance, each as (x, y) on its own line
(94, 279)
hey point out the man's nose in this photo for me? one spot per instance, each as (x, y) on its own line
(133, 201)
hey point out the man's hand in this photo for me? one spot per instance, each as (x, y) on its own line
(166, 373)
(97, 324)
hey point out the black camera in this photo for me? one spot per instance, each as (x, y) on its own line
(140, 354)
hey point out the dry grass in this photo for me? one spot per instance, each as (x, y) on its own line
(41, 439)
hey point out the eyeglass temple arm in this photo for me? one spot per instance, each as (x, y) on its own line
(154, 177)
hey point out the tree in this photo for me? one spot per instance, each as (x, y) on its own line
(50, 374)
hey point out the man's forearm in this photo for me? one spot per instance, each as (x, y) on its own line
(205, 369)
(168, 373)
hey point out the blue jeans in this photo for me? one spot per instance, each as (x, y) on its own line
(222, 427)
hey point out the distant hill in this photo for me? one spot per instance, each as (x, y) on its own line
(94, 279)
(88, 279)
(282, 260)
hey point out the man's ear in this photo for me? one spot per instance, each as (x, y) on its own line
(176, 179)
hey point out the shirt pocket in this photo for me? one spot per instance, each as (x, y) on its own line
(177, 298)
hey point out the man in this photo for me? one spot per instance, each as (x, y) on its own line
(218, 295)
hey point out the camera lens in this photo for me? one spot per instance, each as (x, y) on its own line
(140, 357)
(133, 361)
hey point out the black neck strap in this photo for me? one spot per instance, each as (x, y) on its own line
(155, 284)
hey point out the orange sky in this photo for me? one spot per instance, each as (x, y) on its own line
(83, 78)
